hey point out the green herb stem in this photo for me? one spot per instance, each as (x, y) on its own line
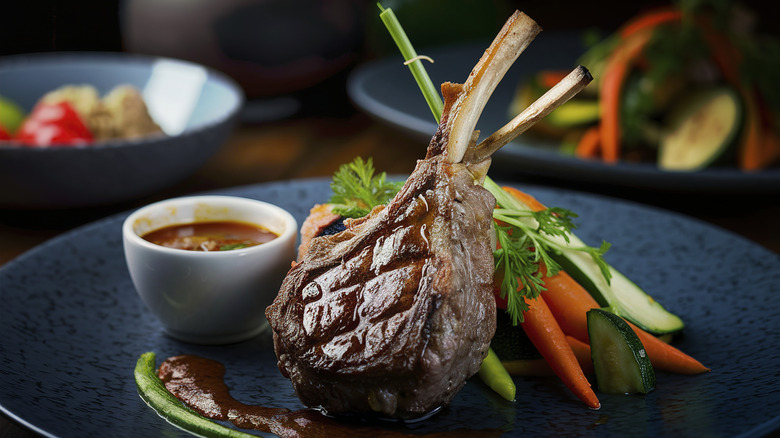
(418, 70)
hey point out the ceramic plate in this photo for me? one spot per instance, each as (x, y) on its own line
(73, 327)
(386, 90)
(197, 108)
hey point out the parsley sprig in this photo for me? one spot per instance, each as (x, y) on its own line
(356, 190)
(527, 239)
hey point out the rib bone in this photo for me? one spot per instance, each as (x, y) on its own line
(511, 41)
(569, 86)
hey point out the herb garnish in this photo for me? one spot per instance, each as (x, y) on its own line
(356, 190)
(233, 246)
(526, 239)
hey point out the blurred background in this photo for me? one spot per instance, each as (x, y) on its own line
(293, 48)
(292, 58)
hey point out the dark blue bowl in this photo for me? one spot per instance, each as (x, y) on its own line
(197, 108)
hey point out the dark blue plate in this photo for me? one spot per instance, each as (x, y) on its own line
(386, 90)
(72, 328)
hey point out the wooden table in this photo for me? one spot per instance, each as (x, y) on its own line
(312, 146)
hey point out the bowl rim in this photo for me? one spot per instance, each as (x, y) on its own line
(290, 231)
(40, 58)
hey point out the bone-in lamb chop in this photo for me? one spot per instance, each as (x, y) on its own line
(393, 314)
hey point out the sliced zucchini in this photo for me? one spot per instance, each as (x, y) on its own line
(621, 295)
(619, 359)
(701, 130)
(575, 112)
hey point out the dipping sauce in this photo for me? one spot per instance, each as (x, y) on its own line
(210, 236)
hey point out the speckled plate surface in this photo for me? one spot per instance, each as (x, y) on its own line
(72, 327)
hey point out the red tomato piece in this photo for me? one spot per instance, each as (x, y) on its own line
(54, 125)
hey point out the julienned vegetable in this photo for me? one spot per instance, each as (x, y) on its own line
(619, 358)
(570, 302)
(544, 331)
(154, 393)
(612, 289)
(656, 61)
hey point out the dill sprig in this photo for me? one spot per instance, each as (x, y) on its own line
(356, 190)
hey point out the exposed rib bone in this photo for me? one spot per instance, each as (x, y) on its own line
(555, 97)
(511, 41)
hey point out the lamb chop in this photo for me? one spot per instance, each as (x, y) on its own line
(393, 314)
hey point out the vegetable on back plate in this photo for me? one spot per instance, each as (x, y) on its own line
(620, 361)
(701, 130)
(578, 111)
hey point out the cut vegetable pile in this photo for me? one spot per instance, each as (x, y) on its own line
(684, 87)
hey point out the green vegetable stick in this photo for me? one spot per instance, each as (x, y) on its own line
(153, 392)
(418, 71)
(493, 373)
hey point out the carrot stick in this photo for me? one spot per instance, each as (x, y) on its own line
(614, 77)
(760, 144)
(582, 351)
(525, 198)
(550, 78)
(751, 144)
(665, 357)
(588, 146)
(650, 20)
(548, 338)
(569, 302)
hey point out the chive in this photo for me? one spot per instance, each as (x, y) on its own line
(233, 246)
(418, 70)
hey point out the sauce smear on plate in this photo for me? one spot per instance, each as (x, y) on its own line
(199, 383)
